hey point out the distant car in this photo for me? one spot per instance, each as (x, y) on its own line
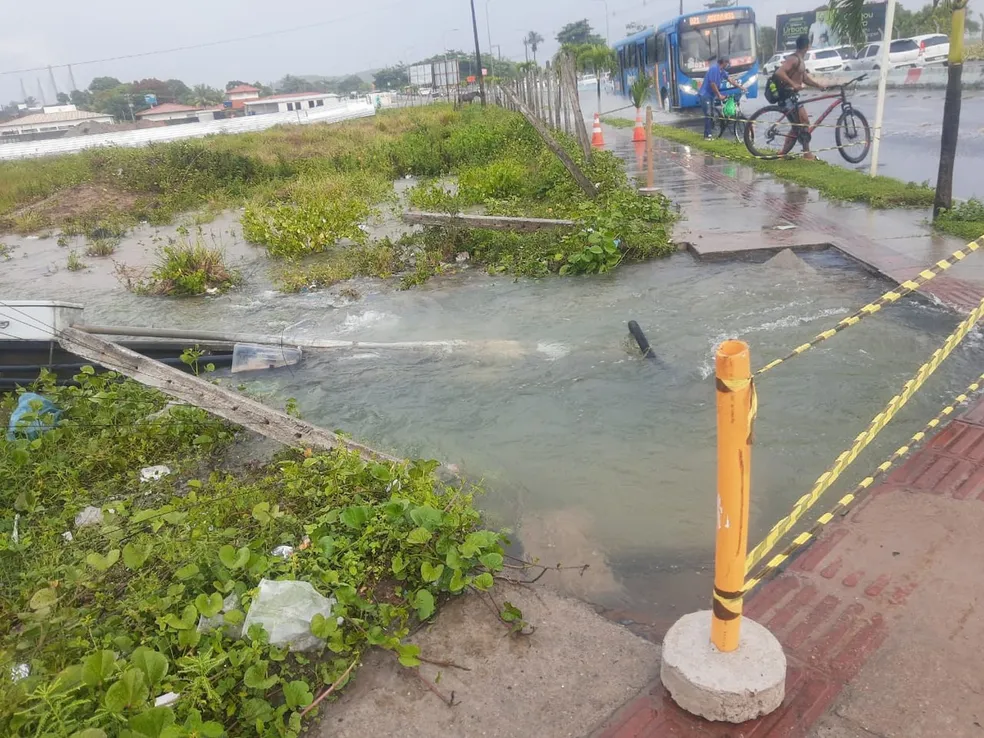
(775, 62)
(903, 53)
(934, 48)
(823, 60)
(847, 52)
(425, 91)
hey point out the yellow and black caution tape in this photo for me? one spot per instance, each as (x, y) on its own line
(888, 298)
(827, 479)
(777, 561)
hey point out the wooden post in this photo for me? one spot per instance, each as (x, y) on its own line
(583, 182)
(650, 174)
(548, 82)
(570, 78)
(564, 101)
(557, 98)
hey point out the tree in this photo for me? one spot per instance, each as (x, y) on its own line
(290, 83)
(352, 83)
(848, 19)
(81, 99)
(595, 58)
(391, 78)
(63, 99)
(533, 40)
(578, 33)
(176, 89)
(203, 95)
(234, 83)
(766, 42)
(265, 90)
(102, 84)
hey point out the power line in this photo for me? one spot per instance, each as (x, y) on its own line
(207, 44)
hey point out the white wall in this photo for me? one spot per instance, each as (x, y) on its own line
(180, 115)
(327, 114)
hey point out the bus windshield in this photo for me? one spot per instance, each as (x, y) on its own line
(734, 41)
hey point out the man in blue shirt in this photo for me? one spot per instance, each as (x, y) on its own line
(710, 90)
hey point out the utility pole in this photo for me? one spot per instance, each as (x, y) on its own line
(951, 111)
(883, 62)
(488, 27)
(71, 78)
(478, 55)
(23, 91)
(54, 85)
(44, 101)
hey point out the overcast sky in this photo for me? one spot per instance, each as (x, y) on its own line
(352, 36)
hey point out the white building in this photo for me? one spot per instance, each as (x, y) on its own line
(291, 101)
(52, 118)
(239, 94)
(174, 111)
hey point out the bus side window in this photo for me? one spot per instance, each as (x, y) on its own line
(661, 48)
(651, 50)
(632, 57)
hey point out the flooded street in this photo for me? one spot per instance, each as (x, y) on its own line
(588, 452)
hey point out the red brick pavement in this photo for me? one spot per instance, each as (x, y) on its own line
(839, 601)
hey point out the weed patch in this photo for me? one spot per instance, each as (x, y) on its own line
(104, 621)
(102, 247)
(74, 263)
(831, 181)
(183, 269)
(965, 220)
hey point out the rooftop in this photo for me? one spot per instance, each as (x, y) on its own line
(173, 108)
(242, 88)
(48, 118)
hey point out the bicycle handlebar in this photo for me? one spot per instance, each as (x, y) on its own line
(851, 82)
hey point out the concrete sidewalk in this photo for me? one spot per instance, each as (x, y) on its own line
(733, 211)
(879, 618)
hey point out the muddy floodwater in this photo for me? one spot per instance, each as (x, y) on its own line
(589, 453)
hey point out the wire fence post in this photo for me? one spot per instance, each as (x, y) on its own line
(735, 410)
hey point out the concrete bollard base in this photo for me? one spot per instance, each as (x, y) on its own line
(730, 687)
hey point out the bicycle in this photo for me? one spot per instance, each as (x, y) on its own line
(737, 121)
(771, 133)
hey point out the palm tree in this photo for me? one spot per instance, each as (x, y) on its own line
(849, 22)
(597, 58)
(533, 41)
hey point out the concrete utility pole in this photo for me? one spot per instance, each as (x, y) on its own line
(478, 54)
(884, 63)
(488, 28)
(71, 78)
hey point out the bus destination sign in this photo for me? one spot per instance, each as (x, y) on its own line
(723, 16)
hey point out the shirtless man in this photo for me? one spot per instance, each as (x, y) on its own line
(793, 77)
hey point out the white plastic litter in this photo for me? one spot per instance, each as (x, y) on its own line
(285, 610)
(154, 473)
(168, 698)
(207, 625)
(67, 535)
(20, 671)
(15, 535)
(283, 552)
(89, 517)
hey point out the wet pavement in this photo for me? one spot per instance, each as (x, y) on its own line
(910, 141)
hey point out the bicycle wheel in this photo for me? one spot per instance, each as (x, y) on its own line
(853, 136)
(740, 123)
(769, 134)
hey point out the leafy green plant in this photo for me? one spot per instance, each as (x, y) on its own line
(639, 91)
(184, 269)
(75, 262)
(965, 219)
(102, 247)
(108, 620)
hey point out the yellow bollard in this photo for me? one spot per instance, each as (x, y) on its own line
(735, 411)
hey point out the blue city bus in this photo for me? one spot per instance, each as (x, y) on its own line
(680, 49)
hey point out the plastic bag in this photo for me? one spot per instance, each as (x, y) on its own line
(31, 429)
(730, 108)
(285, 610)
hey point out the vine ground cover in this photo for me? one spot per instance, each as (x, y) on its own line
(103, 622)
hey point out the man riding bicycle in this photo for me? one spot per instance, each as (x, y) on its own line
(792, 77)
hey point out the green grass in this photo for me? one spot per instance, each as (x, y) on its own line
(965, 220)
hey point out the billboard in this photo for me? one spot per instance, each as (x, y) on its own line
(816, 25)
(421, 75)
(446, 73)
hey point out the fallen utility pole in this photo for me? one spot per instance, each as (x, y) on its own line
(489, 222)
(235, 408)
(583, 182)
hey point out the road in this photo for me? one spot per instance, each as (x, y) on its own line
(911, 141)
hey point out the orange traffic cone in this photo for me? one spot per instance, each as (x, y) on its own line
(597, 137)
(639, 134)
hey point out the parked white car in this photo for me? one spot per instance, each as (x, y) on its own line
(773, 64)
(934, 48)
(823, 60)
(902, 53)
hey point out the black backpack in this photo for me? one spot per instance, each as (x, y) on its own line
(772, 88)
